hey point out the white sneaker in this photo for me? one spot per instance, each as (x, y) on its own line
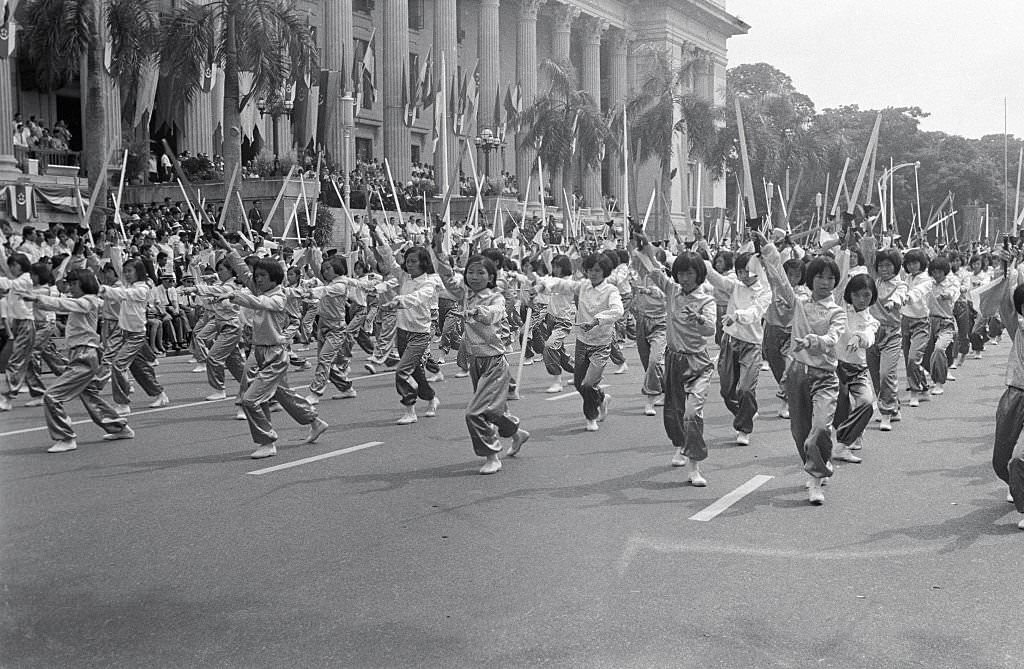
(914, 401)
(592, 426)
(408, 418)
(518, 439)
(1009, 497)
(240, 414)
(125, 432)
(436, 378)
(602, 411)
(660, 401)
(35, 402)
(697, 479)
(5, 403)
(492, 465)
(432, 406)
(554, 388)
(192, 360)
(313, 399)
(1020, 525)
(857, 445)
(952, 365)
(950, 377)
(815, 495)
(264, 452)
(527, 362)
(199, 369)
(316, 428)
(679, 460)
(743, 438)
(123, 409)
(461, 374)
(977, 355)
(63, 446)
(219, 395)
(784, 411)
(622, 369)
(886, 425)
(161, 401)
(345, 394)
(649, 408)
(846, 455)
(937, 389)
(156, 363)
(765, 367)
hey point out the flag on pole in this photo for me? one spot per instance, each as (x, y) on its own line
(407, 103)
(499, 126)
(425, 84)
(473, 89)
(209, 76)
(439, 108)
(369, 71)
(21, 199)
(574, 133)
(7, 32)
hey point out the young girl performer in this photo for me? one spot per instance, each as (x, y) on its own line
(649, 305)
(599, 307)
(942, 296)
(1007, 453)
(268, 372)
(79, 378)
(20, 321)
(483, 308)
(415, 292)
(856, 396)
(561, 299)
(811, 383)
(331, 365)
(44, 350)
(688, 366)
(223, 352)
(915, 328)
(883, 358)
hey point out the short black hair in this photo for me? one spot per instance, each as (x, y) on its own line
(918, 256)
(422, 255)
(42, 272)
(688, 260)
(274, 270)
(598, 260)
(939, 263)
(85, 279)
(21, 260)
(860, 282)
(889, 255)
(795, 264)
(563, 263)
(337, 263)
(488, 265)
(725, 256)
(741, 260)
(817, 266)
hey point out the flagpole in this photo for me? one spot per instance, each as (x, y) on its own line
(443, 104)
(625, 178)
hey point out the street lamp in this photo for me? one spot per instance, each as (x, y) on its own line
(277, 106)
(487, 141)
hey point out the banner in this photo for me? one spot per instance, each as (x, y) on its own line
(21, 199)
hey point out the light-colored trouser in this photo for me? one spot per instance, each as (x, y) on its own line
(942, 334)
(813, 394)
(79, 380)
(883, 363)
(555, 357)
(487, 415)
(332, 360)
(410, 375)
(384, 343)
(44, 351)
(915, 332)
(854, 405)
(687, 379)
(23, 340)
(739, 363)
(128, 353)
(1008, 451)
(588, 371)
(269, 381)
(650, 345)
(202, 338)
(774, 350)
(224, 353)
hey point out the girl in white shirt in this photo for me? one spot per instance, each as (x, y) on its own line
(854, 407)
(20, 321)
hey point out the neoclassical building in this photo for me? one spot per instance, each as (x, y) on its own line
(607, 41)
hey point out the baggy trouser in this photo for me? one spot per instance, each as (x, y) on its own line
(883, 363)
(739, 363)
(1008, 450)
(555, 357)
(224, 353)
(812, 393)
(384, 345)
(331, 363)
(916, 333)
(854, 405)
(23, 339)
(941, 335)
(410, 375)
(44, 352)
(269, 381)
(774, 350)
(79, 380)
(202, 338)
(962, 316)
(687, 379)
(487, 415)
(587, 374)
(129, 352)
(538, 330)
(650, 345)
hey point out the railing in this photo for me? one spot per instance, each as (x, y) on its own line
(45, 158)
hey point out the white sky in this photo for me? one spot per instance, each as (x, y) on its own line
(956, 59)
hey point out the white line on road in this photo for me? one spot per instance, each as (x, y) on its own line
(572, 394)
(322, 456)
(728, 500)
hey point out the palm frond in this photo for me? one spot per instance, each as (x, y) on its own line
(188, 33)
(54, 35)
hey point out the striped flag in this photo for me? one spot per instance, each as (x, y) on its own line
(369, 70)
(7, 31)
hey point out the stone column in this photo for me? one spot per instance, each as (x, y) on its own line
(490, 69)
(395, 54)
(446, 47)
(591, 29)
(197, 126)
(617, 94)
(337, 55)
(8, 167)
(526, 73)
(562, 19)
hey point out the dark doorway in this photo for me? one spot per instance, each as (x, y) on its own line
(69, 110)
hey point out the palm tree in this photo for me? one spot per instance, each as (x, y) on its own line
(59, 35)
(565, 124)
(663, 106)
(268, 38)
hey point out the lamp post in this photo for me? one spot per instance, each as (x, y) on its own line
(276, 106)
(487, 141)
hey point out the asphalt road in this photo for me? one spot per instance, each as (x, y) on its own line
(166, 551)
